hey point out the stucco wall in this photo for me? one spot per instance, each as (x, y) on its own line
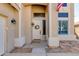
(12, 30)
(23, 21)
(28, 15)
(54, 20)
(53, 24)
(70, 10)
(38, 9)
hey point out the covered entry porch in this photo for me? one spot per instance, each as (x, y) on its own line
(34, 23)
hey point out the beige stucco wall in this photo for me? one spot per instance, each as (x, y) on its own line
(70, 10)
(16, 16)
(23, 21)
(53, 27)
(28, 15)
(38, 9)
(54, 19)
(12, 30)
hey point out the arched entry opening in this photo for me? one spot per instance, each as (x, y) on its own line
(39, 23)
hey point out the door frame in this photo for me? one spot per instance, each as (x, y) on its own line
(42, 18)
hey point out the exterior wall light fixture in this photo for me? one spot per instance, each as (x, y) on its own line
(13, 21)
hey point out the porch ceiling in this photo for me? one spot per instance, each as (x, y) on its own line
(44, 4)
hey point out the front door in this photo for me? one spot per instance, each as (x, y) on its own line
(37, 28)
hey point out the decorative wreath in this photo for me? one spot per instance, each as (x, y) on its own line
(37, 27)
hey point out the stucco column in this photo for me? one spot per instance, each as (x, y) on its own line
(52, 41)
(50, 19)
(20, 21)
(71, 21)
(20, 41)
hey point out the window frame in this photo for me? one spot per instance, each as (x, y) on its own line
(63, 14)
(63, 19)
(64, 4)
(38, 14)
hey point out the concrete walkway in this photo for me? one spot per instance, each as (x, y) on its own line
(39, 51)
(66, 48)
(38, 54)
(35, 52)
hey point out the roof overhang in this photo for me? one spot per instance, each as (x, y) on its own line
(16, 5)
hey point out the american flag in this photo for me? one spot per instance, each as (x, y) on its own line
(59, 5)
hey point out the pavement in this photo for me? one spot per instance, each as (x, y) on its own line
(66, 48)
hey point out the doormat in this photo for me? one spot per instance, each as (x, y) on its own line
(36, 41)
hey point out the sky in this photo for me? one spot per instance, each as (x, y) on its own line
(76, 11)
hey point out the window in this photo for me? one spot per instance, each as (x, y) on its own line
(64, 4)
(64, 14)
(39, 14)
(63, 27)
